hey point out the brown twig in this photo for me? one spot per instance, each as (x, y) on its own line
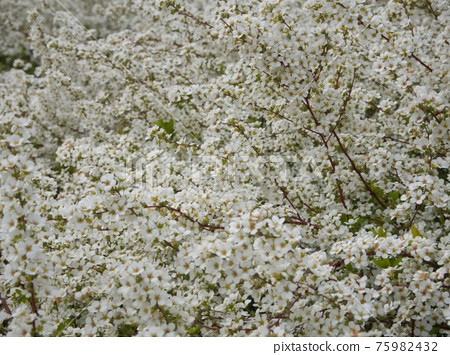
(301, 220)
(415, 213)
(226, 23)
(429, 262)
(188, 14)
(171, 245)
(426, 66)
(101, 212)
(355, 168)
(275, 113)
(81, 302)
(344, 107)
(431, 9)
(215, 329)
(33, 308)
(284, 22)
(305, 204)
(337, 79)
(317, 292)
(286, 311)
(162, 311)
(397, 140)
(33, 299)
(442, 326)
(256, 276)
(338, 263)
(285, 195)
(376, 107)
(341, 195)
(5, 305)
(203, 225)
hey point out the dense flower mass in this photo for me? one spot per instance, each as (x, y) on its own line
(224, 168)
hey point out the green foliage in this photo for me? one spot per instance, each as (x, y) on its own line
(166, 126)
(385, 263)
(127, 330)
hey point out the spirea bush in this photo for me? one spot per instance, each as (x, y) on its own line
(225, 168)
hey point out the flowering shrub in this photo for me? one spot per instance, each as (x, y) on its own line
(225, 168)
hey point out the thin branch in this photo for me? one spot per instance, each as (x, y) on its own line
(429, 262)
(275, 113)
(81, 302)
(205, 226)
(355, 168)
(317, 292)
(162, 311)
(171, 245)
(33, 308)
(337, 79)
(215, 329)
(302, 221)
(376, 107)
(431, 9)
(426, 66)
(286, 311)
(188, 14)
(284, 22)
(226, 23)
(412, 219)
(306, 205)
(397, 140)
(341, 195)
(256, 276)
(33, 299)
(5, 305)
(285, 194)
(442, 326)
(344, 107)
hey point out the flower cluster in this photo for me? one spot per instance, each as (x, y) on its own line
(225, 168)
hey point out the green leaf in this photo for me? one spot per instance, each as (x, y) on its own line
(394, 195)
(61, 327)
(381, 233)
(435, 331)
(167, 126)
(196, 331)
(415, 232)
(383, 263)
(395, 262)
(23, 299)
(127, 330)
(377, 190)
(351, 268)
